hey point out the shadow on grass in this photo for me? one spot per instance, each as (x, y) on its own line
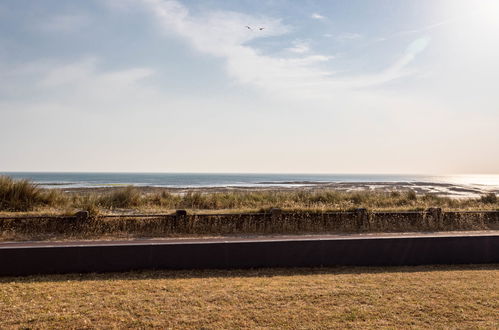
(248, 273)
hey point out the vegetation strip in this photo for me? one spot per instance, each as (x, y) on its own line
(30, 213)
(344, 297)
(24, 196)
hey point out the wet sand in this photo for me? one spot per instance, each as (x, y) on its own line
(421, 188)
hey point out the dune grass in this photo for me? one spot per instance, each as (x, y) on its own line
(24, 196)
(399, 297)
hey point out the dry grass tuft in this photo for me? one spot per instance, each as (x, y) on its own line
(490, 198)
(124, 198)
(22, 195)
(18, 195)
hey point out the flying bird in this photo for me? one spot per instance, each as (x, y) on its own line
(249, 28)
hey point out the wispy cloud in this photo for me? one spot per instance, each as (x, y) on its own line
(224, 34)
(397, 70)
(317, 16)
(65, 23)
(78, 84)
(348, 36)
(84, 72)
(299, 47)
(420, 30)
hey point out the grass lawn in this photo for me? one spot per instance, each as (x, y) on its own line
(430, 296)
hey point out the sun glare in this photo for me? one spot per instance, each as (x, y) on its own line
(481, 13)
(476, 179)
(472, 28)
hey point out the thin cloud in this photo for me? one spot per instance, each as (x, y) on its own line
(317, 16)
(420, 30)
(299, 47)
(79, 83)
(348, 36)
(223, 34)
(65, 23)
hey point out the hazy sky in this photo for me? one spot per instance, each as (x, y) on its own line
(327, 86)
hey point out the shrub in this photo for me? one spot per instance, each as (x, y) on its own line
(123, 198)
(54, 197)
(194, 200)
(89, 203)
(411, 195)
(18, 195)
(489, 198)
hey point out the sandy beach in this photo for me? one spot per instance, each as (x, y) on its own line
(420, 188)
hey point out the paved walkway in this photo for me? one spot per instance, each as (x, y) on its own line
(241, 239)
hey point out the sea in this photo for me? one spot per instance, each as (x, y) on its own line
(200, 180)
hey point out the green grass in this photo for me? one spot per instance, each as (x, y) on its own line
(346, 297)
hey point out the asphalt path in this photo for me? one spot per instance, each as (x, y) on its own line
(240, 239)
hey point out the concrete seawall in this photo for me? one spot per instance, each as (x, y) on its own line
(78, 257)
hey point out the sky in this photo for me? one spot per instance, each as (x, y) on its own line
(276, 86)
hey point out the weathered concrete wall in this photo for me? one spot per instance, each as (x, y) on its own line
(274, 222)
(249, 254)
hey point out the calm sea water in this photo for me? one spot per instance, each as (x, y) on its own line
(64, 179)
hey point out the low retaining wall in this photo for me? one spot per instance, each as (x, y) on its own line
(250, 254)
(272, 222)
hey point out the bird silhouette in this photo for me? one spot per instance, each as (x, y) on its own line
(249, 28)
